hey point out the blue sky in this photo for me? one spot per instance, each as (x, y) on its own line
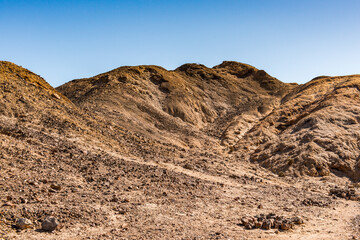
(294, 41)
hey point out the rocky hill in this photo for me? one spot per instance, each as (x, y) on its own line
(310, 129)
(313, 132)
(146, 153)
(33, 112)
(191, 100)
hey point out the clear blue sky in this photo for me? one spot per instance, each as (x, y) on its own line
(292, 40)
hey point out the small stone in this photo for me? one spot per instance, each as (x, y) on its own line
(266, 224)
(55, 187)
(114, 199)
(271, 216)
(23, 223)
(9, 204)
(249, 226)
(122, 212)
(32, 183)
(49, 224)
(297, 220)
(272, 223)
(246, 220)
(258, 224)
(277, 224)
(285, 226)
(55, 95)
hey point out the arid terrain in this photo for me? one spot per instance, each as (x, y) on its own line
(227, 152)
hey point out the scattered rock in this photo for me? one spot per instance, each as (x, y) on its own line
(270, 221)
(246, 179)
(23, 223)
(49, 224)
(346, 193)
(315, 202)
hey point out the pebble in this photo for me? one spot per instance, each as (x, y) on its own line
(270, 221)
(55, 187)
(23, 223)
(49, 224)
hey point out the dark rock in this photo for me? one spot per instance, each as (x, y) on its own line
(49, 224)
(55, 187)
(266, 224)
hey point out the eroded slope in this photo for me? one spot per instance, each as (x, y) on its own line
(180, 106)
(315, 131)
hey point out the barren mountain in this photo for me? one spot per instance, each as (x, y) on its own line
(192, 100)
(146, 153)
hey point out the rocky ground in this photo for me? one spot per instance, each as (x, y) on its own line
(146, 153)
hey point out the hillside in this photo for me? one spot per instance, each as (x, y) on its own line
(191, 100)
(315, 131)
(146, 153)
(195, 111)
(33, 112)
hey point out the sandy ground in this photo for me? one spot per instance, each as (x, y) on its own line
(215, 214)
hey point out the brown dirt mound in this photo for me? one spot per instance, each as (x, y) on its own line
(174, 106)
(23, 91)
(315, 130)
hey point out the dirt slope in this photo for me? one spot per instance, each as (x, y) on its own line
(191, 100)
(315, 131)
(31, 108)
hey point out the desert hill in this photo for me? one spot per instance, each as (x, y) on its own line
(238, 106)
(146, 153)
(191, 100)
(31, 109)
(194, 113)
(314, 131)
